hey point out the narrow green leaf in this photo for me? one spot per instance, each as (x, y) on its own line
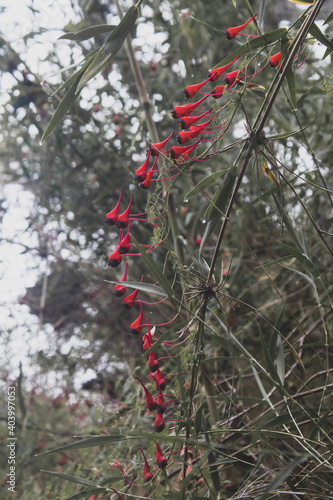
(268, 357)
(218, 204)
(291, 81)
(88, 443)
(62, 108)
(282, 476)
(71, 478)
(211, 459)
(253, 45)
(288, 224)
(319, 35)
(280, 363)
(302, 259)
(303, 2)
(234, 2)
(293, 132)
(77, 73)
(154, 269)
(261, 387)
(205, 183)
(87, 493)
(145, 287)
(198, 420)
(87, 33)
(111, 46)
(329, 19)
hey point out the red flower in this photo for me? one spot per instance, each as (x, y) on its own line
(160, 400)
(177, 151)
(230, 78)
(120, 290)
(159, 424)
(115, 258)
(124, 243)
(217, 72)
(152, 362)
(147, 182)
(141, 172)
(136, 326)
(186, 109)
(192, 132)
(123, 219)
(129, 301)
(150, 401)
(112, 217)
(147, 475)
(160, 459)
(191, 90)
(147, 340)
(155, 148)
(218, 91)
(159, 380)
(275, 60)
(187, 121)
(232, 32)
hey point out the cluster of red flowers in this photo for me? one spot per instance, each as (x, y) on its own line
(190, 130)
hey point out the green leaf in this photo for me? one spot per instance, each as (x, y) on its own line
(77, 73)
(145, 287)
(268, 357)
(288, 224)
(281, 477)
(329, 19)
(111, 46)
(261, 387)
(62, 108)
(71, 478)
(205, 183)
(87, 493)
(291, 81)
(218, 204)
(253, 45)
(280, 363)
(87, 33)
(303, 2)
(302, 259)
(155, 270)
(319, 35)
(88, 443)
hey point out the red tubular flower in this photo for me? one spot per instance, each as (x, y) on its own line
(161, 403)
(119, 497)
(186, 109)
(159, 380)
(147, 475)
(123, 219)
(152, 362)
(232, 32)
(115, 258)
(155, 148)
(124, 243)
(214, 74)
(112, 217)
(230, 78)
(147, 182)
(160, 459)
(147, 340)
(141, 172)
(275, 60)
(120, 290)
(129, 301)
(218, 91)
(136, 326)
(191, 90)
(150, 401)
(187, 121)
(192, 132)
(159, 424)
(177, 151)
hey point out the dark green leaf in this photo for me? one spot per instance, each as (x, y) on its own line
(87, 493)
(71, 478)
(111, 47)
(62, 108)
(205, 183)
(155, 270)
(302, 259)
(288, 224)
(145, 287)
(329, 19)
(281, 477)
(319, 35)
(87, 33)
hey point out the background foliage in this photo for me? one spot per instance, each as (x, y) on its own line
(255, 379)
